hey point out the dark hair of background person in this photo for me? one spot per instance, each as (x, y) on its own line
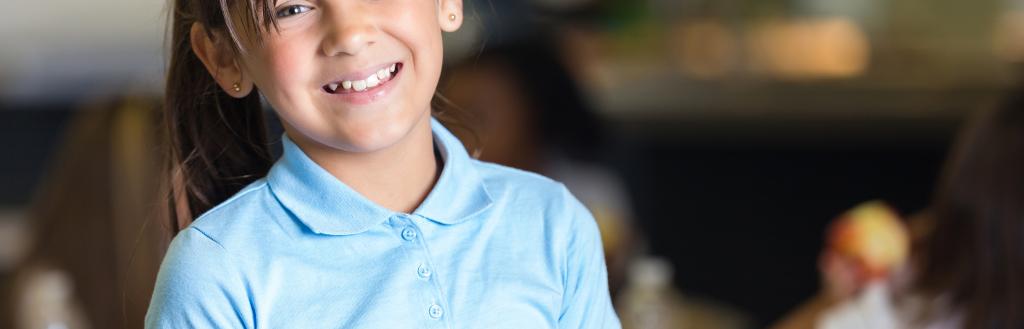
(973, 250)
(217, 144)
(554, 98)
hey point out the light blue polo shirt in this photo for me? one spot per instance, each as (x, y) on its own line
(490, 247)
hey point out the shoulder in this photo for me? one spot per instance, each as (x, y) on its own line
(503, 181)
(202, 276)
(237, 219)
(193, 251)
(199, 285)
(550, 200)
(206, 240)
(493, 173)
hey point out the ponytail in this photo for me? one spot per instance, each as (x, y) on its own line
(215, 144)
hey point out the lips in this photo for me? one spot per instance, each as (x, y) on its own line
(366, 84)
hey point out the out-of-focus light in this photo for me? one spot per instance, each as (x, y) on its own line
(704, 48)
(1008, 41)
(562, 4)
(810, 48)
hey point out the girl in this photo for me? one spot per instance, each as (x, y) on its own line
(375, 216)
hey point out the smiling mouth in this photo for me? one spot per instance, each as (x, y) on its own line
(371, 82)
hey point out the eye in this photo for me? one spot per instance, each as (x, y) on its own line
(292, 10)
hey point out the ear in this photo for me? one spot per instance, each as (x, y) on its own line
(449, 9)
(220, 60)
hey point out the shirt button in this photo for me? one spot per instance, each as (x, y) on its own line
(435, 311)
(408, 234)
(423, 271)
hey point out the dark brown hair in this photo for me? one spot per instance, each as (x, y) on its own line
(973, 253)
(218, 144)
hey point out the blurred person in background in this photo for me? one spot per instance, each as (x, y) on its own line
(93, 260)
(530, 114)
(966, 268)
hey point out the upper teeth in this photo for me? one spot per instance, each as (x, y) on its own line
(371, 81)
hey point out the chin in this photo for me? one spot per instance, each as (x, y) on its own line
(370, 138)
(361, 133)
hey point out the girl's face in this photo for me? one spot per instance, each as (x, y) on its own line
(353, 75)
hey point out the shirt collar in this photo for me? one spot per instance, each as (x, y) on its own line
(328, 206)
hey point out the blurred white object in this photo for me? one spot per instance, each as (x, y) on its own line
(872, 309)
(650, 300)
(875, 308)
(652, 273)
(45, 299)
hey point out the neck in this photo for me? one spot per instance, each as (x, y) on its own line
(397, 178)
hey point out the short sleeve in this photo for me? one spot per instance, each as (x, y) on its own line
(198, 286)
(586, 302)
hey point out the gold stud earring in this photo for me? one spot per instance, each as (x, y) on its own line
(451, 17)
(236, 87)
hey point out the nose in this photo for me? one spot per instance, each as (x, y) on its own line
(350, 29)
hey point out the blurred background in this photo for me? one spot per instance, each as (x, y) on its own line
(715, 141)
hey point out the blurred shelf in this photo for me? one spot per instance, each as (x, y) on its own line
(793, 112)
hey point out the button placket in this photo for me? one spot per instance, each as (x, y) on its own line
(416, 248)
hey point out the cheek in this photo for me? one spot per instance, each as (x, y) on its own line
(288, 68)
(420, 32)
(282, 69)
(285, 79)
